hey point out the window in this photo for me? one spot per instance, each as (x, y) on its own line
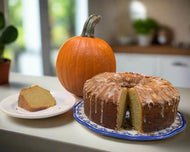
(62, 25)
(43, 25)
(66, 20)
(15, 18)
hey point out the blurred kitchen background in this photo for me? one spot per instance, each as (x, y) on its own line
(147, 36)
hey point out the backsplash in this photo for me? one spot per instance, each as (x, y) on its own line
(116, 20)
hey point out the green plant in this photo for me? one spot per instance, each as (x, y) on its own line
(8, 34)
(145, 26)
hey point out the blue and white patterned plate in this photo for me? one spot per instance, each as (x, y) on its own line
(175, 128)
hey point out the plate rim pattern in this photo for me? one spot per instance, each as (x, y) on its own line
(165, 133)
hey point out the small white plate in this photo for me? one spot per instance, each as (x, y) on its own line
(64, 102)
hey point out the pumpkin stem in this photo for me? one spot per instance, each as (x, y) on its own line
(89, 26)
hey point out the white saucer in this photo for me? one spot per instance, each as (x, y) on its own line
(64, 102)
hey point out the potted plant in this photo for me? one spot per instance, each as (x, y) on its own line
(144, 29)
(8, 34)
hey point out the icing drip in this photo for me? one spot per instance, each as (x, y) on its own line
(90, 113)
(95, 108)
(173, 108)
(97, 91)
(170, 103)
(100, 90)
(144, 119)
(162, 110)
(111, 93)
(149, 101)
(102, 112)
(106, 94)
(143, 104)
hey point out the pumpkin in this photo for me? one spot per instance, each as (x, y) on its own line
(82, 57)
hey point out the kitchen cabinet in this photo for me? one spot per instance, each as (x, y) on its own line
(136, 63)
(174, 68)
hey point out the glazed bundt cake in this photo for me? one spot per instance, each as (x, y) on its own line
(151, 101)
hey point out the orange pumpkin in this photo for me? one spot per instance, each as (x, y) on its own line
(82, 57)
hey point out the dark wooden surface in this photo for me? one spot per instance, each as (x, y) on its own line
(165, 50)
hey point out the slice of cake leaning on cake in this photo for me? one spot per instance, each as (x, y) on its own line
(151, 101)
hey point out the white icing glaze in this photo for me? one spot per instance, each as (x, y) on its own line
(101, 80)
(95, 108)
(173, 108)
(144, 120)
(170, 102)
(163, 95)
(102, 112)
(107, 93)
(97, 93)
(91, 88)
(162, 110)
(143, 104)
(90, 113)
(149, 101)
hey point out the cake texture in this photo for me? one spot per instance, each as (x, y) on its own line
(151, 101)
(35, 98)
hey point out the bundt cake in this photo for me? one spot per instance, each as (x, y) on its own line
(35, 98)
(151, 101)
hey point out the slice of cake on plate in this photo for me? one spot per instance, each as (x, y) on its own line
(35, 98)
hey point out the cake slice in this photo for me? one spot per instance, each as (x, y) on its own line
(135, 110)
(35, 98)
(122, 108)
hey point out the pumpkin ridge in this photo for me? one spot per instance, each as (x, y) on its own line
(77, 61)
(62, 59)
(72, 63)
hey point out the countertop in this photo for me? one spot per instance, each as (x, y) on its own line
(63, 133)
(153, 49)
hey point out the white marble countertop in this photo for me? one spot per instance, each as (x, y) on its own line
(63, 133)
